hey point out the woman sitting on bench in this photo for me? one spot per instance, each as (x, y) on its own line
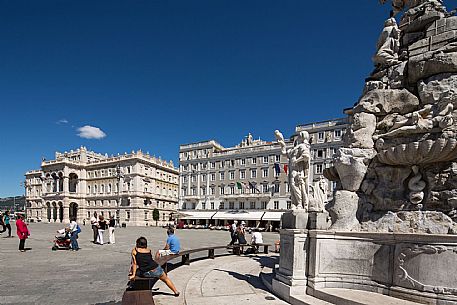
(143, 263)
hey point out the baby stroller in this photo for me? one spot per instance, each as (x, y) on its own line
(62, 241)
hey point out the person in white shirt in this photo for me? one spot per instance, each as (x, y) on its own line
(94, 223)
(256, 239)
(74, 234)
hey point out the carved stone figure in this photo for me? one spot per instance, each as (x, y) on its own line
(299, 158)
(416, 185)
(414, 6)
(388, 45)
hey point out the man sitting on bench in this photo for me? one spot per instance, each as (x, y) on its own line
(256, 239)
(173, 245)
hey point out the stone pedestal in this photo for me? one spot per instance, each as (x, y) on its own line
(318, 221)
(291, 276)
(295, 219)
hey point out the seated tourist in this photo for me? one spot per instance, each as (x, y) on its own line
(256, 239)
(172, 246)
(144, 266)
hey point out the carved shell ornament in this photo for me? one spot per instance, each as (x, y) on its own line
(423, 152)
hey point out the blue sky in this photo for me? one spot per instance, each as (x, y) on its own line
(156, 74)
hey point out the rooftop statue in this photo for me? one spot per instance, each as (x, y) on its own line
(388, 45)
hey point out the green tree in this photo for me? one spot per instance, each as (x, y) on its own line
(156, 215)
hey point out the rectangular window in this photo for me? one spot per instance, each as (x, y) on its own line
(221, 190)
(254, 160)
(203, 206)
(221, 206)
(320, 136)
(232, 189)
(212, 177)
(276, 205)
(278, 158)
(203, 191)
(276, 188)
(289, 205)
(232, 175)
(319, 168)
(253, 173)
(241, 205)
(252, 205)
(194, 178)
(232, 163)
(213, 165)
(337, 133)
(264, 205)
(211, 190)
(266, 188)
(204, 177)
(127, 215)
(194, 192)
(320, 153)
(242, 174)
(212, 205)
(222, 175)
(231, 205)
(146, 215)
(265, 172)
(203, 165)
(265, 159)
(243, 161)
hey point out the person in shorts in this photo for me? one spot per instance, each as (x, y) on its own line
(173, 246)
(144, 266)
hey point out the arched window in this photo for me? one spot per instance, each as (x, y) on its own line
(88, 189)
(102, 188)
(95, 189)
(109, 188)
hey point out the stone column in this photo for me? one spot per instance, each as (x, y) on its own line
(291, 276)
(66, 188)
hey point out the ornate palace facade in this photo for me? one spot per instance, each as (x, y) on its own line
(80, 183)
(248, 181)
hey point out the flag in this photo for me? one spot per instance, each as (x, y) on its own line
(277, 169)
(253, 187)
(239, 186)
(285, 168)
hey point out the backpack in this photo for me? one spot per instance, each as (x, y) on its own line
(78, 229)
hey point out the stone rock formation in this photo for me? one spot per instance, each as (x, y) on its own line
(397, 171)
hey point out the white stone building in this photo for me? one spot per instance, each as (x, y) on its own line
(210, 175)
(80, 183)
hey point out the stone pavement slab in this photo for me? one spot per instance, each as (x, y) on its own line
(224, 280)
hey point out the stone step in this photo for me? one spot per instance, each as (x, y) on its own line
(343, 296)
(307, 300)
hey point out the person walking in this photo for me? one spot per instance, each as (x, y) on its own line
(74, 234)
(2, 223)
(101, 228)
(233, 235)
(145, 266)
(112, 224)
(22, 232)
(6, 221)
(240, 234)
(94, 223)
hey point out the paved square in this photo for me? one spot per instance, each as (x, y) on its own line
(94, 275)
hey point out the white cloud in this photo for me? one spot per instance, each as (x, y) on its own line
(62, 121)
(90, 132)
